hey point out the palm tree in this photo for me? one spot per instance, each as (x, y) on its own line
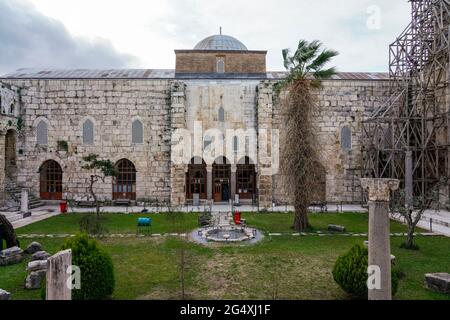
(300, 164)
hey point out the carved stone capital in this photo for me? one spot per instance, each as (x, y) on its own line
(379, 189)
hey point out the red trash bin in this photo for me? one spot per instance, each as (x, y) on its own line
(237, 218)
(63, 207)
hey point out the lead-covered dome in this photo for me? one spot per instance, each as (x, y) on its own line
(221, 42)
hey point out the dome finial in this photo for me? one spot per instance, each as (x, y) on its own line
(220, 30)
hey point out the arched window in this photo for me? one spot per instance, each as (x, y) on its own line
(12, 109)
(235, 144)
(346, 138)
(137, 132)
(220, 65)
(196, 179)
(42, 133)
(88, 132)
(207, 141)
(246, 179)
(221, 115)
(124, 183)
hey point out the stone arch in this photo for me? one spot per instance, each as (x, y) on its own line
(11, 155)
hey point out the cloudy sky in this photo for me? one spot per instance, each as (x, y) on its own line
(144, 33)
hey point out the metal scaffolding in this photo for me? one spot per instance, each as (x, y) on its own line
(416, 116)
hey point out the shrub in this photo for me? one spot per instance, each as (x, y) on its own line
(350, 272)
(96, 267)
(93, 225)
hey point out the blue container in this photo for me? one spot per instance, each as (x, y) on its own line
(144, 222)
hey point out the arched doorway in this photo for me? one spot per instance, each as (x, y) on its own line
(10, 156)
(246, 179)
(196, 179)
(124, 184)
(51, 180)
(221, 180)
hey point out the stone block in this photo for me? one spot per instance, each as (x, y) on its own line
(33, 248)
(40, 255)
(10, 256)
(37, 265)
(4, 295)
(336, 228)
(35, 279)
(439, 282)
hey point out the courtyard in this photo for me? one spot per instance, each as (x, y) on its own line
(283, 266)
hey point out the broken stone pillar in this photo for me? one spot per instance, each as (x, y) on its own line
(379, 233)
(24, 201)
(57, 277)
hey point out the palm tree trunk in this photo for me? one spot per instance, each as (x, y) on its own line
(301, 221)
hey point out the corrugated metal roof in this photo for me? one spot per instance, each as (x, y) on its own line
(340, 75)
(164, 74)
(91, 74)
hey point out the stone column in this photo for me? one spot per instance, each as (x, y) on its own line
(24, 201)
(233, 181)
(408, 180)
(379, 233)
(265, 126)
(57, 276)
(209, 182)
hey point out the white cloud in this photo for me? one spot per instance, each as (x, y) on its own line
(152, 29)
(30, 39)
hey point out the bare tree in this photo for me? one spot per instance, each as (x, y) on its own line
(300, 163)
(100, 170)
(412, 214)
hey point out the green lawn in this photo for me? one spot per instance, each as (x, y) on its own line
(114, 223)
(283, 222)
(298, 267)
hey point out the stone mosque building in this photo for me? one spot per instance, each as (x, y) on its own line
(51, 119)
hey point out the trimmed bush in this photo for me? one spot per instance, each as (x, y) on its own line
(350, 273)
(96, 267)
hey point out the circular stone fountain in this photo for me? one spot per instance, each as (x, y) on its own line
(229, 234)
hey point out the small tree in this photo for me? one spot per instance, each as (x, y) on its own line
(101, 169)
(412, 216)
(300, 164)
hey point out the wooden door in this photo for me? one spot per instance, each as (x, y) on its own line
(217, 191)
(51, 181)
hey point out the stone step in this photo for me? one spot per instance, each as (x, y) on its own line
(36, 204)
(14, 217)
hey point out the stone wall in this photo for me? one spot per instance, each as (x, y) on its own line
(164, 106)
(341, 103)
(189, 61)
(112, 105)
